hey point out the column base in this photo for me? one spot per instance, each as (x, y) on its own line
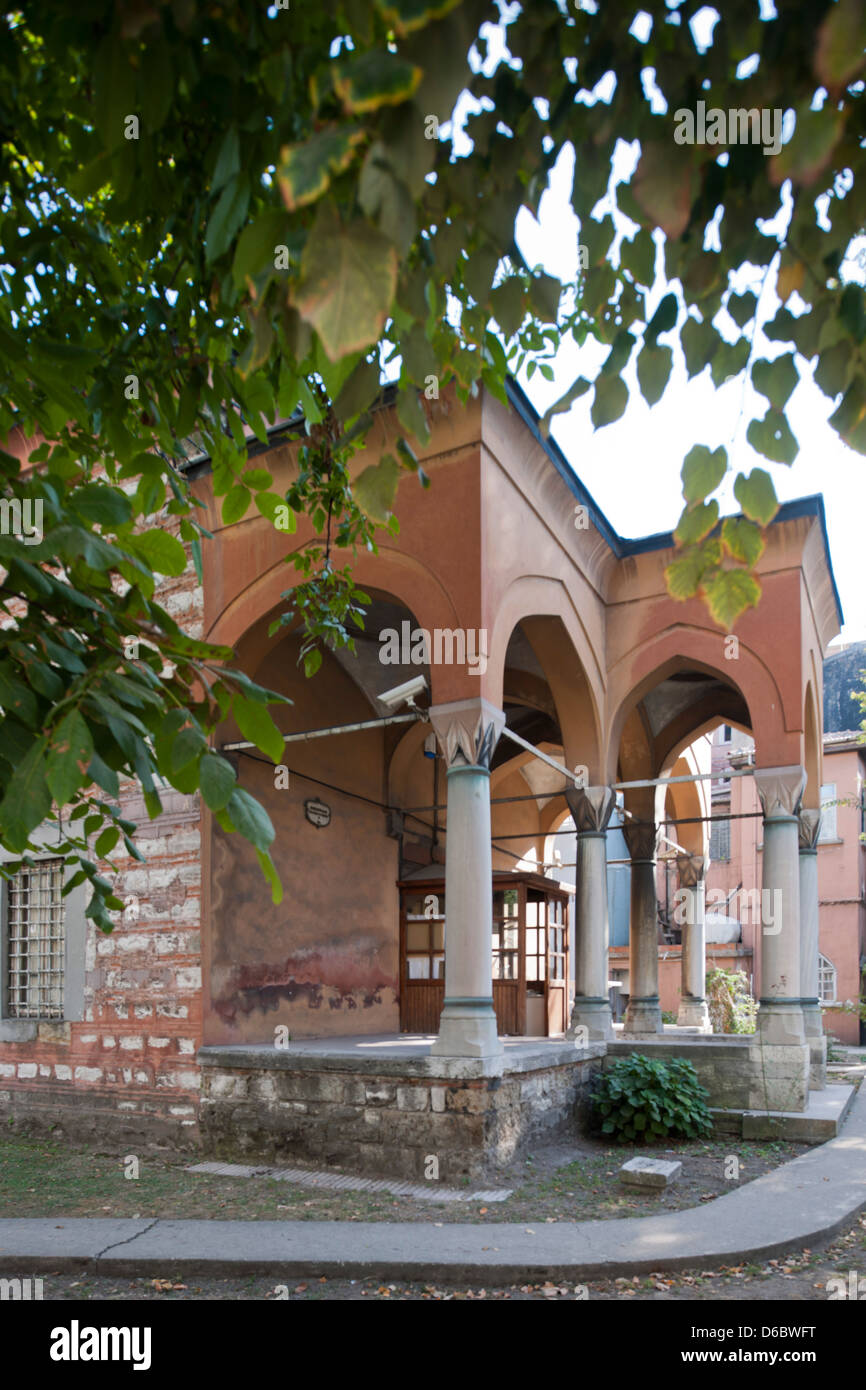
(643, 1016)
(593, 1016)
(778, 1076)
(816, 1039)
(780, 1022)
(467, 1028)
(693, 1013)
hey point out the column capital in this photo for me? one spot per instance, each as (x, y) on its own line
(780, 790)
(591, 807)
(641, 839)
(468, 731)
(692, 869)
(809, 828)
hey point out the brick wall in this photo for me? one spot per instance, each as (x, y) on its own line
(127, 1072)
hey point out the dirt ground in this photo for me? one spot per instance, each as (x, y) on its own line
(566, 1182)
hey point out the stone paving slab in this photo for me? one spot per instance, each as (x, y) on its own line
(796, 1206)
(348, 1182)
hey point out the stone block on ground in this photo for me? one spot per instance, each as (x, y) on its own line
(651, 1173)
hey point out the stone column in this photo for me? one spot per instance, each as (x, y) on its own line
(780, 1079)
(591, 808)
(813, 1017)
(643, 1014)
(693, 1012)
(468, 731)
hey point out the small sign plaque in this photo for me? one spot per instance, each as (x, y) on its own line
(317, 812)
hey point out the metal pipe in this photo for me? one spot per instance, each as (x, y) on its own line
(543, 757)
(688, 777)
(335, 729)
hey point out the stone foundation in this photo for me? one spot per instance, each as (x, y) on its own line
(739, 1071)
(389, 1115)
(115, 1122)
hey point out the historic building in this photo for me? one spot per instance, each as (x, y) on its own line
(555, 672)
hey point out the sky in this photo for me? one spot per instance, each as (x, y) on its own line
(632, 467)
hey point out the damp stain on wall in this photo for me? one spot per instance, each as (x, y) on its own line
(345, 980)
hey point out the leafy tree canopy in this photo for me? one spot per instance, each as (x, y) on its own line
(217, 215)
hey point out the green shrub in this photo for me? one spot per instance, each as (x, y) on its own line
(649, 1100)
(731, 1007)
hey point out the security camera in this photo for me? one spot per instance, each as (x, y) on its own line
(405, 693)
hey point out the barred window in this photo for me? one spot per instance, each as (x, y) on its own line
(720, 839)
(828, 812)
(827, 985)
(36, 942)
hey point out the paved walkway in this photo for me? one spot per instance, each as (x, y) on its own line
(797, 1205)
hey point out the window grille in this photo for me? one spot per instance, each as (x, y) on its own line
(828, 812)
(36, 941)
(826, 980)
(720, 839)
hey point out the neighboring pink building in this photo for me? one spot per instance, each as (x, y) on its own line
(736, 849)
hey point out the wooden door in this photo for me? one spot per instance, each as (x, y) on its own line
(557, 967)
(422, 959)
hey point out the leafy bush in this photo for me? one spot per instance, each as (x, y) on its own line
(731, 1007)
(648, 1099)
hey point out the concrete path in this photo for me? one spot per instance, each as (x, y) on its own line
(796, 1206)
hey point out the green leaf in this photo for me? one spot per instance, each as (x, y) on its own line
(185, 747)
(256, 250)
(743, 539)
(578, 388)
(508, 303)
(809, 152)
(639, 256)
(375, 488)
(609, 401)
(256, 724)
(113, 90)
(267, 867)
(101, 504)
(106, 841)
(250, 819)
(104, 776)
(776, 380)
(664, 318)
(664, 185)
(375, 79)
(28, 800)
(849, 418)
(235, 504)
(697, 522)
(408, 15)
(217, 779)
(757, 496)
(227, 217)
(359, 390)
(741, 307)
(702, 471)
(841, 43)
(163, 552)
(773, 438)
(69, 754)
(304, 172)
(16, 698)
(653, 370)
(729, 594)
(228, 161)
(411, 415)
(348, 279)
